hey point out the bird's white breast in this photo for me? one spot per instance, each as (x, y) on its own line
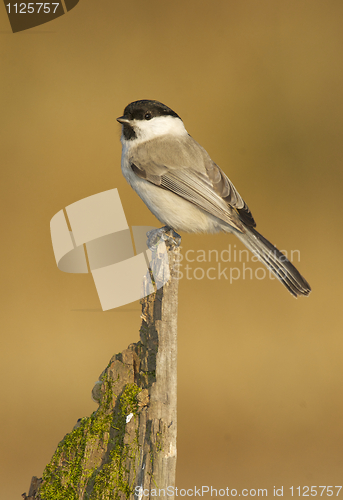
(169, 208)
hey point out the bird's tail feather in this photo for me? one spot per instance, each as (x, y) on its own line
(275, 261)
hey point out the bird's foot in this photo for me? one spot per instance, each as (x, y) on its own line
(166, 234)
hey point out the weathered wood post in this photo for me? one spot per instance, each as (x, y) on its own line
(159, 326)
(127, 447)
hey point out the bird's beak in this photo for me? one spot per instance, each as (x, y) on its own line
(123, 119)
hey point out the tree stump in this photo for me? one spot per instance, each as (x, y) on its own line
(127, 448)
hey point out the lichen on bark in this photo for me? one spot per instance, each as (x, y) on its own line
(91, 461)
(129, 442)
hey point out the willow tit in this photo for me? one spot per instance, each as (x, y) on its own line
(186, 190)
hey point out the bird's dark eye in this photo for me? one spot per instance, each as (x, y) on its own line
(148, 116)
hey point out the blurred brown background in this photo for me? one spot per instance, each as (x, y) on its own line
(259, 85)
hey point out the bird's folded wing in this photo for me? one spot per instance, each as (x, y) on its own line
(188, 171)
(227, 191)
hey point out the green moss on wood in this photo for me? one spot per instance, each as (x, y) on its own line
(113, 477)
(73, 467)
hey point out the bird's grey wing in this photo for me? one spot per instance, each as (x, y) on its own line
(183, 167)
(227, 191)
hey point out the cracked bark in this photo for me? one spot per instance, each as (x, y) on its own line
(138, 453)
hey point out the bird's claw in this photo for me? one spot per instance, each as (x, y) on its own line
(166, 234)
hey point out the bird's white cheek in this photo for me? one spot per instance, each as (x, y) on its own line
(162, 125)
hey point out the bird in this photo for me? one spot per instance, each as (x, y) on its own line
(186, 190)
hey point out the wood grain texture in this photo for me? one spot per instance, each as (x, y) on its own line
(129, 444)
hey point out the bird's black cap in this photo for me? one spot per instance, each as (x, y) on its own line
(139, 110)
